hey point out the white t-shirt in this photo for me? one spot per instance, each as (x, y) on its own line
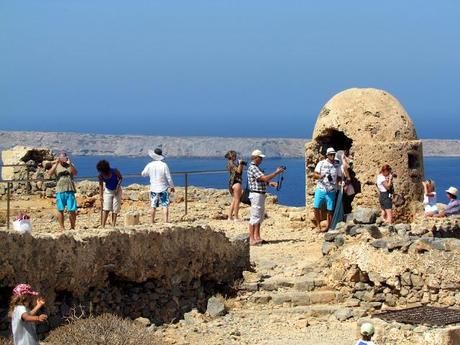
(430, 203)
(380, 179)
(365, 342)
(325, 168)
(24, 333)
(160, 177)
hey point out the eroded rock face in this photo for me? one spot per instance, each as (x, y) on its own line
(155, 273)
(379, 131)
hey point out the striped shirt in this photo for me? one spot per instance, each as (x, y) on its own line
(255, 185)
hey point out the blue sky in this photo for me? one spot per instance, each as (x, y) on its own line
(231, 68)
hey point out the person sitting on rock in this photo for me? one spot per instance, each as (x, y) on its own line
(453, 207)
(429, 198)
(328, 174)
(367, 331)
(110, 196)
(160, 182)
(65, 171)
(385, 187)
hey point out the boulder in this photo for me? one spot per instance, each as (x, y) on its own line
(363, 215)
(216, 307)
(132, 218)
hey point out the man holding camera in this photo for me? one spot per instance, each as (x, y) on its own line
(328, 174)
(65, 188)
(257, 182)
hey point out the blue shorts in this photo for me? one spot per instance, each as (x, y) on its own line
(159, 198)
(322, 197)
(64, 199)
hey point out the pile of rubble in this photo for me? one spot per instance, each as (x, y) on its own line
(379, 266)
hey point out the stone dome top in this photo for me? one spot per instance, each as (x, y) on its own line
(365, 115)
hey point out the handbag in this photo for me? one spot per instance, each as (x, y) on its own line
(245, 196)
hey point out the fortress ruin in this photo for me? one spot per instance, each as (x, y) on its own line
(377, 130)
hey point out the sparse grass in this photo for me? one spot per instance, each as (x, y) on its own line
(105, 329)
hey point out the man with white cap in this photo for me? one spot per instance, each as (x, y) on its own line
(257, 182)
(328, 174)
(367, 331)
(453, 208)
(160, 182)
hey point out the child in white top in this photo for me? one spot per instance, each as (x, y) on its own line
(429, 198)
(23, 316)
(367, 331)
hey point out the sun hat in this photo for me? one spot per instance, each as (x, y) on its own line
(452, 190)
(330, 151)
(367, 328)
(257, 153)
(24, 289)
(156, 155)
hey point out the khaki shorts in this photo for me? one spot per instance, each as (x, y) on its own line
(111, 201)
(257, 208)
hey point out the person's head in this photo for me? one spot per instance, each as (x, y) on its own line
(103, 167)
(430, 186)
(367, 330)
(230, 155)
(257, 156)
(385, 170)
(63, 157)
(452, 193)
(22, 295)
(157, 154)
(330, 154)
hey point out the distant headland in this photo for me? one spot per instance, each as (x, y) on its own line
(207, 147)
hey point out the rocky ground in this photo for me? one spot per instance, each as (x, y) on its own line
(285, 299)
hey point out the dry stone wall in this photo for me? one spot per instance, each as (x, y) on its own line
(156, 273)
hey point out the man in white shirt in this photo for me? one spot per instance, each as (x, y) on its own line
(160, 182)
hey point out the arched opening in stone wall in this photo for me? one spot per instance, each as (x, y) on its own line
(333, 138)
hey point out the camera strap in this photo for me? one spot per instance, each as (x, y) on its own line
(280, 182)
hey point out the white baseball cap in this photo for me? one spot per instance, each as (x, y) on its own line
(257, 153)
(330, 151)
(367, 328)
(452, 190)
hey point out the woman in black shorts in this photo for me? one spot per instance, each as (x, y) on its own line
(385, 186)
(235, 169)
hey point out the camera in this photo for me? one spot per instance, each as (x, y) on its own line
(329, 177)
(283, 167)
(394, 175)
(242, 162)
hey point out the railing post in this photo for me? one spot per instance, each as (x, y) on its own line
(186, 193)
(8, 195)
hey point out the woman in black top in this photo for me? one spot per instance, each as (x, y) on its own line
(235, 169)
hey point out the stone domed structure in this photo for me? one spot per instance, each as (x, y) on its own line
(377, 129)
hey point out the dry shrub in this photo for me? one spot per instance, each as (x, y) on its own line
(105, 329)
(6, 341)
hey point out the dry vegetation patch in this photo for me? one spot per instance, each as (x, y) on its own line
(102, 330)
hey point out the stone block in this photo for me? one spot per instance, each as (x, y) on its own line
(363, 215)
(132, 218)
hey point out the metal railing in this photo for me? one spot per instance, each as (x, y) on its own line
(9, 183)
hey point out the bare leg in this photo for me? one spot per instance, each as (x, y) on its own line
(389, 214)
(252, 240)
(152, 212)
(257, 232)
(329, 219)
(318, 218)
(60, 217)
(114, 219)
(237, 191)
(230, 210)
(166, 214)
(105, 214)
(73, 219)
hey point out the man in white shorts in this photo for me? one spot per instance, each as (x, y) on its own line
(257, 182)
(160, 183)
(111, 194)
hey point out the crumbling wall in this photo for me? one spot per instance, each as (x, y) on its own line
(155, 273)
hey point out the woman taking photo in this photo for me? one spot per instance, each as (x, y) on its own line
(385, 186)
(235, 169)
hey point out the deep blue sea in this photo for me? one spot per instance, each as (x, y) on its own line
(444, 171)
